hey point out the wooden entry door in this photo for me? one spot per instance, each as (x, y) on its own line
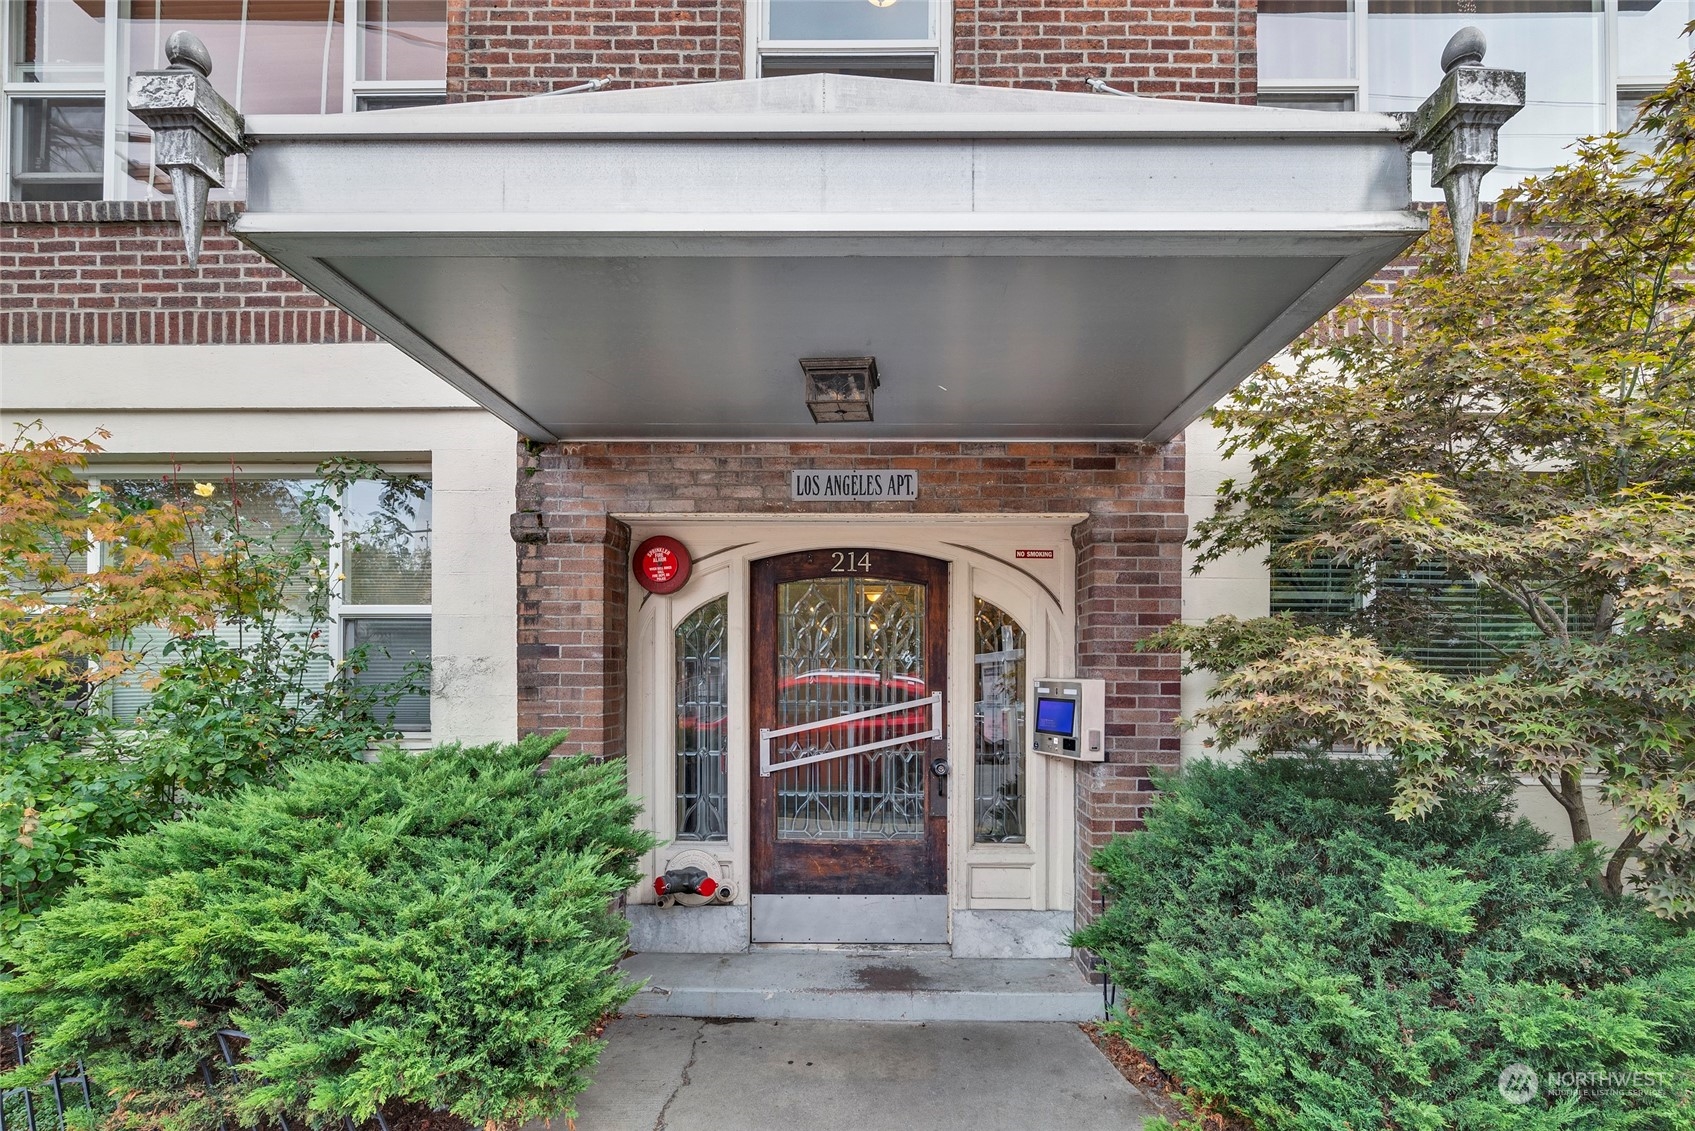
(849, 658)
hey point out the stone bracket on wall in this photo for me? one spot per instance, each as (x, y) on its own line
(194, 130)
(1459, 125)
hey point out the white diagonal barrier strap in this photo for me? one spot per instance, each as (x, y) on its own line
(767, 737)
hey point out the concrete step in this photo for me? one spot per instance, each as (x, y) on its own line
(859, 985)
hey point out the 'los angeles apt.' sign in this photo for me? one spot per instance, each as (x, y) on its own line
(817, 485)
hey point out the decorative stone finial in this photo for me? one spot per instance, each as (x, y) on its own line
(195, 130)
(1459, 125)
(1465, 49)
(186, 52)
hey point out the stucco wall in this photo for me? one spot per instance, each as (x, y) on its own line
(1236, 585)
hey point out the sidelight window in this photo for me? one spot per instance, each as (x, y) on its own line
(998, 781)
(702, 690)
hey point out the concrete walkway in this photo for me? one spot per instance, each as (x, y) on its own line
(689, 1074)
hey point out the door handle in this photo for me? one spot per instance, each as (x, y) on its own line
(939, 767)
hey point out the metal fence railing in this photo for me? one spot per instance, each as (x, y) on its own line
(64, 1089)
(14, 1098)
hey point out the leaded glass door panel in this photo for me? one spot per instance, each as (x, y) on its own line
(850, 786)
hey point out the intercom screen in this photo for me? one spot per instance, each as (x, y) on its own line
(1056, 716)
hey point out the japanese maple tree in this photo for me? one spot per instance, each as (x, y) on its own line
(1529, 426)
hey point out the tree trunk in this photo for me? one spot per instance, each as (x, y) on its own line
(1577, 809)
(1570, 796)
(1613, 881)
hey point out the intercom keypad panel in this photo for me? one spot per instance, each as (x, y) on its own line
(1070, 719)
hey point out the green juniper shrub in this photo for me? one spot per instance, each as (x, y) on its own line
(1299, 959)
(433, 929)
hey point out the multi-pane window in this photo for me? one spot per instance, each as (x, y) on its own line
(998, 781)
(1318, 591)
(55, 115)
(383, 603)
(1588, 63)
(402, 54)
(703, 703)
(370, 554)
(899, 39)
(69, 137)
(1650, 43)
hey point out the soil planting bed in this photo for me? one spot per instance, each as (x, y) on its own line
(1161, 1089)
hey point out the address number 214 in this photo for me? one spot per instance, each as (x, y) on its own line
(850, 561)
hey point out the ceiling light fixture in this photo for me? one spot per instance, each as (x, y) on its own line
(839, 389)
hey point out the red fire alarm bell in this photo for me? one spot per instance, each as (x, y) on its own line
(661, 564)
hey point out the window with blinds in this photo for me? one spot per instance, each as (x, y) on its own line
(71, 557)
(385, 602)
(1467, 628)
(386, 551)
(261, 516)
(392, 653)
(1452, 625)
(1319, 590)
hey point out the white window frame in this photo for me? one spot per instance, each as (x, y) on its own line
(1354, 86)
(353, 87)
(13, 91)
(339, 610)
(114, 83)
(938, 46)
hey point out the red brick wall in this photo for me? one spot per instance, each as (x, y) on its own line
(573, 570)
(115, 273)
(510, 48)
(1200, 49)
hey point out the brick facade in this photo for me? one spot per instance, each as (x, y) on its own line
(574, 573)
(510, 48)
(113, 273)
(1200, 49)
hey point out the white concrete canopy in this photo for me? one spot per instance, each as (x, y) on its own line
(654, 263)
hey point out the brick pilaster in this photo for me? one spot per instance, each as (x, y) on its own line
(1129, 583)
(573, 591)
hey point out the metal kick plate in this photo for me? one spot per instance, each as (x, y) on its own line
(850, 918)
